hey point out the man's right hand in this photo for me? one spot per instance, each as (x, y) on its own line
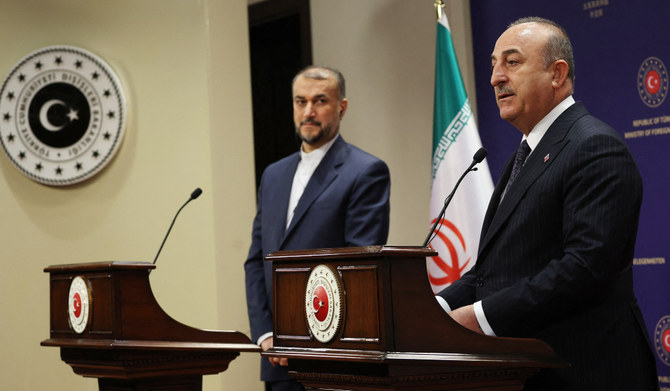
(267, 344)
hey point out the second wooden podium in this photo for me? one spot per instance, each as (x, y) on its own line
(365, 319)
(108, 325)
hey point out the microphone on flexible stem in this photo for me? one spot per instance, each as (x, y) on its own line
(195, 194)
(476, 159)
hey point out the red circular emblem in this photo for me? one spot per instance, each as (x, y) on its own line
(76, 305)
(320, 303)
(653, 82)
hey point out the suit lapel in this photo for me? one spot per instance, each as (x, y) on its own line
(495, 197)
(281, 199)
(538, 162)
(324, 174)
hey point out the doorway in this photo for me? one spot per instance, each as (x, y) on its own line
(280, 45)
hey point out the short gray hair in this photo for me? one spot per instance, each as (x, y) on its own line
(558, 46)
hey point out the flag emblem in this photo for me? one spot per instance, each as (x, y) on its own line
(452, 257)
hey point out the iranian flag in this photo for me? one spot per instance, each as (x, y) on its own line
(455, 141)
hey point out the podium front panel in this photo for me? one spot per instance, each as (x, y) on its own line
(363, 305)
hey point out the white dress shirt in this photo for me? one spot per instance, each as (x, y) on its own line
(306, 167)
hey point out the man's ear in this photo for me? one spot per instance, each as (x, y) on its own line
(344, 103)
(561, 70)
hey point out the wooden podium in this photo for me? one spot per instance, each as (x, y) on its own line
(365, 318)
(108, 325)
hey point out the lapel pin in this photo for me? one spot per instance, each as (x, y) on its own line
(546, 158)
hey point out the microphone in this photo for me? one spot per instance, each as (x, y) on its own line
(195, 194)
(476, 159)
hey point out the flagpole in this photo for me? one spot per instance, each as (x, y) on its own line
(439, 6)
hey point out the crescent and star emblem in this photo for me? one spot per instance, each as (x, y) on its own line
(44, 118)
(320, 303)
(653, 83)
(76, 305)
(62, 115)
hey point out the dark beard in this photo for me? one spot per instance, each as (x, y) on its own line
(323, 131)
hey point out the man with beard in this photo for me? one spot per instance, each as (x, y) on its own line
(329, 194)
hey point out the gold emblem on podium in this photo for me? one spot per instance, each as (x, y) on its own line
(323, 303)
(78, 306)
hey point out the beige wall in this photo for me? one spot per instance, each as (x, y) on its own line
(386, 51)
(184, 66)
(163, 51)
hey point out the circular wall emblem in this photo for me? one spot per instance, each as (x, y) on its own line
(79, 301)
(652, 82)
(662, 339)
(323, 303)
(62, 115)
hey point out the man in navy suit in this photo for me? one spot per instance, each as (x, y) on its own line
(329, 194)
(556, 248)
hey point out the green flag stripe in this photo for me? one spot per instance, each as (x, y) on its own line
(450, 93)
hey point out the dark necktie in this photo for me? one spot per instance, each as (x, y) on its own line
(521, 154)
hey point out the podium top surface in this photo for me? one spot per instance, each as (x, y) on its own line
(98, 266)
(351, 252)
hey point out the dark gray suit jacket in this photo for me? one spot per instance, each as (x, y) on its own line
(555, 258)
(345, 203)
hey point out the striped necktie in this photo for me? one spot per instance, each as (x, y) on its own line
(521, 154)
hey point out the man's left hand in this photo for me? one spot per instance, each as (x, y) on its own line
(465, 316)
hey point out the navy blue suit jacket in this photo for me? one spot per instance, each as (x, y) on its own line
(555, 258)
(345, 203)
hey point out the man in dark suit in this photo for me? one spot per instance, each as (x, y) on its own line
(556, 248)
(329, 194)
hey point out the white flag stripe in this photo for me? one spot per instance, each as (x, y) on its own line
(454, 146)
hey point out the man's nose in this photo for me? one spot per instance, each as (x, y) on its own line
(497, 76)
(309, 111)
